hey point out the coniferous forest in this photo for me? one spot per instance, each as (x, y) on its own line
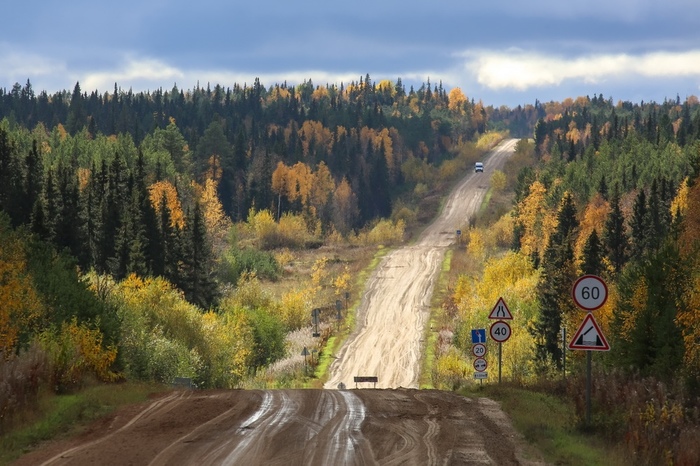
(120, 213)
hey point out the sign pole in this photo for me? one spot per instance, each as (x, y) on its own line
(588, 388)
(563, 349)
(499, 360)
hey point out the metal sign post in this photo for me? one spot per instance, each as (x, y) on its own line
(500, 330)
(589, 293)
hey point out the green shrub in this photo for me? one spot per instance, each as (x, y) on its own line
(236, 262)
(268, 338)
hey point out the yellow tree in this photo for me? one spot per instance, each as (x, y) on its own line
(594, 218)
(688, 317)
(679, 205)
(382, 141)
(457, 101)
(315, 138)
(536, 219)
(300, 181)
(345, 210)
(279, 183)
(20, 308)
(161, 189)
(513, 278)
(216, 222)
(322, 188)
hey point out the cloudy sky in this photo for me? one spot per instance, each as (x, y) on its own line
(504, 52)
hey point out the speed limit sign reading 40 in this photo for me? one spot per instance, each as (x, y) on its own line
(590, 292)
(500, 331)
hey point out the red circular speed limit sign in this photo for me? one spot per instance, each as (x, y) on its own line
(589, 292)
(479, 350)
(500, 331)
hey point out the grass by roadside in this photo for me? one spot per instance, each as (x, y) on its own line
(61, 416)
(547, 426)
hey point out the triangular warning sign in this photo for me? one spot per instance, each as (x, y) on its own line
(500, 311)
(589, 336)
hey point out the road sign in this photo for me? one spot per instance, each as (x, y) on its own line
(478, 335)
(589, 292)
(589, 336)
(480, 375)
(500, 311)
(479, 350)
(500, 331)
(480, 364)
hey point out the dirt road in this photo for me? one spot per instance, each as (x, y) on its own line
(327, 427)
(295, 427)
(395, 306)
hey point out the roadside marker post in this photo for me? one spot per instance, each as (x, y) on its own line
(305, 353)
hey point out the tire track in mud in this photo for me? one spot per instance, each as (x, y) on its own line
(155, 409)
(298, 428)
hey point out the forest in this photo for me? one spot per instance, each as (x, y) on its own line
(138, 229)
(610, 190)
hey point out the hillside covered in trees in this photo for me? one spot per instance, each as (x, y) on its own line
(136, 227)
(611, 190)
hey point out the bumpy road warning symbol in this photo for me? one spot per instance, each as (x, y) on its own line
(589, 336)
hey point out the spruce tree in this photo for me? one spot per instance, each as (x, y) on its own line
(638, 226)
(197, 281)
(32, 183)
(592, 260)
(615, 240)
(558, 275)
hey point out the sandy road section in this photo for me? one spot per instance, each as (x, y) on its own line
(295, 427)
(395, 306)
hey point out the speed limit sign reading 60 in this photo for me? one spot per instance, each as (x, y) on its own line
(589, 292)
(500, 331)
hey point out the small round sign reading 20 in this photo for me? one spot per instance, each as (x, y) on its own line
(590, 292)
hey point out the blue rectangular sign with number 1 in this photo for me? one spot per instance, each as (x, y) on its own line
(479, 335)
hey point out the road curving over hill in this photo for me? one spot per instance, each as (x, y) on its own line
(395, 305)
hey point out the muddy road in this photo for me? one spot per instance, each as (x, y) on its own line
(395, 306)
(295, 427)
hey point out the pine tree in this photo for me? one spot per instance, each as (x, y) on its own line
(77, 117)
(91, 222)
(11, 180)
(638, 226)
(32, 183)
(558, 275)
(615, 240)
(197, 281)
(592, 260)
